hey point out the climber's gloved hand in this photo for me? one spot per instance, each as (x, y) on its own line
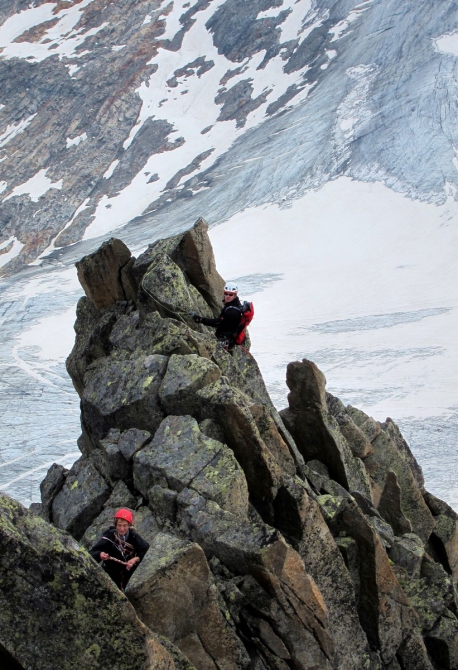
(196, 317)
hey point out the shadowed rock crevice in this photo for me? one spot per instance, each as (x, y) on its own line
(293, 540)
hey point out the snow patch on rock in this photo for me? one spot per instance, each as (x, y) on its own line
(61, 38)
(12, 252)
(35, 187)
(76, 140)
(15, 129)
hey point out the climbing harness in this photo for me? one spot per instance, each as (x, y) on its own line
(122, 546)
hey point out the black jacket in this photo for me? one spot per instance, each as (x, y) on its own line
(228, 321)
(110, 544)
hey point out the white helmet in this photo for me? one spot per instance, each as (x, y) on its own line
(231, 287)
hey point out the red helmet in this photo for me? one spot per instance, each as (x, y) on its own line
(125, 514)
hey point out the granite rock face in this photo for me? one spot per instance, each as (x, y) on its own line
(297, 540)
(48, 615)
(80, 499)
(100, 274)
(173, 593)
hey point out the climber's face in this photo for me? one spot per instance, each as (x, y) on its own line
(122, 526)
(229, 296)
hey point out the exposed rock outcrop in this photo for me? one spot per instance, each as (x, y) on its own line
(100, 274)
(58, 609)
(174, 594)
(297, 540)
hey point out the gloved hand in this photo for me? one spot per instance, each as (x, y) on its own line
(197, 318)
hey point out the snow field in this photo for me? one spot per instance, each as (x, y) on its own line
(348, 254)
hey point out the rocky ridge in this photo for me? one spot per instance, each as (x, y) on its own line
(300, 539)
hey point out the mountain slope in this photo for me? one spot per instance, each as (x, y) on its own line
(214, 106)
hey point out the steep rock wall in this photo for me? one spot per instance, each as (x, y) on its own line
(312, 540)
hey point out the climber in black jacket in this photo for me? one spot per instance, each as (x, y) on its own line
(228, 322)
(121, 548)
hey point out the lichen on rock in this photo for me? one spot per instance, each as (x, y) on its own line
(296, 539)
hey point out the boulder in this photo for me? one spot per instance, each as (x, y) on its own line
(92, 338)
(83, 352)
(109, 460)
(179, 659)
(81, 498)
(230, 408)
(99, 273)
(384, 610)
(384, 530)
(133, 335)
(173, 594)
(272, 437)
(193, 253)
(50, 487)
(299, 518)
(442, 642)
(168, 291)
(296, 610)
(408, 502)
(148, 333)
(197, 259)
(408, 552)
(403, 448)
(128, 283)
(444, 538)
(329, 506)
(315, 430)
(49, 618)
(212, 429)
(121, 496)
(243, 372)
(356, 439)
(184, 377)
(163, 503)
(350, 554)
(431, 595)
(175, 337)
(180, 456)
(123, 394)
(315, 473)
(367, 425)
(365, 505)
(131, 441)
(146, 523)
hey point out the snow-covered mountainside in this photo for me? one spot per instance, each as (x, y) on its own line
(322, 137)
